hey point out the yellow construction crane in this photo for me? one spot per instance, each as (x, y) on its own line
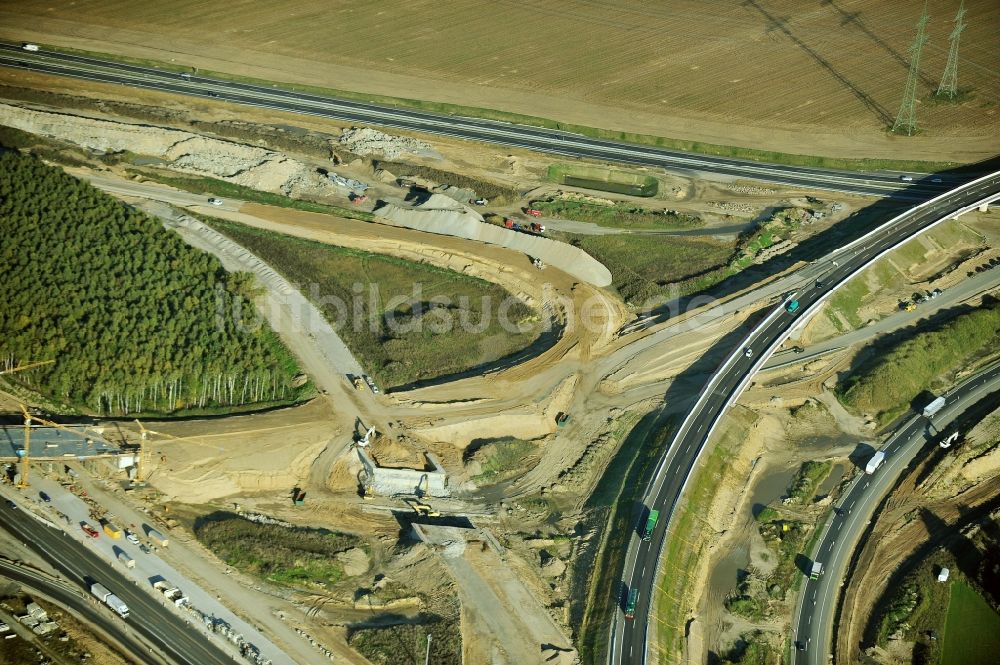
(21, 368)
(25, 457)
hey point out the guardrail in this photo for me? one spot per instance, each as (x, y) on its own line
(801, 319)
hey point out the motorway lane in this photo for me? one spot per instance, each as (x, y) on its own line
(83, 605)
(629, 638)
(818, 601)
(535, 138)
(161, 627)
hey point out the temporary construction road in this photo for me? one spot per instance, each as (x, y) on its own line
(628, 639)
(487, 131)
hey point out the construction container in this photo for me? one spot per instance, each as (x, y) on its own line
(112, 530)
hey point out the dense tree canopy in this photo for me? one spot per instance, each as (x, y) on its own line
(135, 319)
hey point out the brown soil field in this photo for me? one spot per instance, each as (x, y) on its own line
(810, 77)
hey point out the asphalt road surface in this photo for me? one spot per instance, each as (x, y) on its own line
(628, 641)
(819, 598)
(169, 632)
(81, 604)
(488, 131)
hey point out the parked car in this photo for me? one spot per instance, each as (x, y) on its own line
(45, 497)
(131, 537)
(214, 201)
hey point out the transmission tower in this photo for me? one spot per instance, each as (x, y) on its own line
(906, 120)
(949, 82)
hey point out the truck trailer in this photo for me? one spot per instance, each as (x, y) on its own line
(156, 536)
(102, 593)
(875, 462)
(931, 409)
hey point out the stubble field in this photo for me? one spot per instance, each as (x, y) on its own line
(710, 71)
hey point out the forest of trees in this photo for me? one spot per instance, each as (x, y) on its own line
(135, 320)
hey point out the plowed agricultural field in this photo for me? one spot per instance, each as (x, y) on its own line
(750, 72)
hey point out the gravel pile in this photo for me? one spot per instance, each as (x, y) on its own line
(366, 141)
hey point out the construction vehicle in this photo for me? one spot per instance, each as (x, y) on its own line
(356, 381)
(532, 212)
(89, 530)
(538, 263)
(299, 497)
(535, 227)
(358, 200)
(562, 419)
(910, 306)
(647, 533)
(111, 600)
(422, 509)
(931, 409)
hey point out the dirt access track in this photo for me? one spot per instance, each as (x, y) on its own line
(812, 78)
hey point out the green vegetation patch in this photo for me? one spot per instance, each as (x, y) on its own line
(129, 312)
(648, 268)
(888, 384)
(603, 179)
(293, 556)
(406, 644)
(403, 321)
(756, 648)
(619, 215)
(972, 629)
(686, 540)
(241, 192)
(807, 480)
(504, 458)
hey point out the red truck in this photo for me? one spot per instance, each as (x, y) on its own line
(533, 212)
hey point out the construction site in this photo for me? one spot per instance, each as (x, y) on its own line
(447, 489)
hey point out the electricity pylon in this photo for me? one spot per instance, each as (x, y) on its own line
(906, 120)
(949, 81)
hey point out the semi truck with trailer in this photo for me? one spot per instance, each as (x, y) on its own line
(875, 462)
(931, 409)
(102, 593)
(156, 536)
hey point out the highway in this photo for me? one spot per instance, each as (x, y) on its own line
(488, 131)
(628, 639)
(818, 600)
(157, 624)
(76, 601)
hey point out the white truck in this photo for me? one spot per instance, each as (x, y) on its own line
(27, 46)
(124, 558)
(875, 462)
(111, 600)
(931, 409)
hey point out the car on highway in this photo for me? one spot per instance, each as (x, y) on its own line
(12, 505)
(213, 94)
(89, 530)
(792, 307)
(935, 179)
(748, 352)
(185, 75)
(906, 178)
(45, 497)
(214, 201)
(797, 349)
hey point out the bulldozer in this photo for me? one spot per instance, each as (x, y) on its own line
(422, 509)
